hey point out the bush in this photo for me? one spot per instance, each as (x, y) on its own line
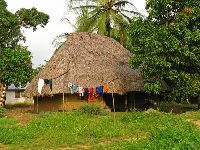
(2, 110)
(92, 109)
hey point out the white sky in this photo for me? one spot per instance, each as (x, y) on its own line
(40, 41)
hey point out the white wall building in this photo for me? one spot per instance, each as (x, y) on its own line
(15, 94)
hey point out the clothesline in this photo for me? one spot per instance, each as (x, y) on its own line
(42, 81)
(81, 90)
(97, 91)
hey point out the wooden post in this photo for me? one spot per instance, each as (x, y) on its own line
(63, 101)
(37, 107)
(126, 102)
(113, 106)
(113, 102)
(134, 100)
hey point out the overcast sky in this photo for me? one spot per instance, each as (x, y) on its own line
(40, 41)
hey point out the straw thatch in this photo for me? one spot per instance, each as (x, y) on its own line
(89, 60)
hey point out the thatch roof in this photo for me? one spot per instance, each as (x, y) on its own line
(88, 59)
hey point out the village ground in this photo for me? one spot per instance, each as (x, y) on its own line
(23, 129)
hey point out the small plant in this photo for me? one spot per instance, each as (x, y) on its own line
(92, 109)
(2, 111)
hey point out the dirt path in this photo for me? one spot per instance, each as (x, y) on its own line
(3, 147)
(197, 122)
(24, 115)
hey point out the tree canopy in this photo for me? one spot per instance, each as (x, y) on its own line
(167, 47)
(106, 17)
(15, 65)
(15, 60)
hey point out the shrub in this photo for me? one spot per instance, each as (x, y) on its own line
(92, 109)
(2, 110)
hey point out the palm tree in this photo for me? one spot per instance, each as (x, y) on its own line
(103, 16)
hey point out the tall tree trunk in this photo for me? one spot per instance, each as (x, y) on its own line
(122, 36)
(2, 94)
(108, 27)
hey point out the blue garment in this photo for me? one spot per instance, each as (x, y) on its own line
(74, 88)
(99, 90)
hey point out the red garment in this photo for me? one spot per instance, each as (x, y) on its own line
(90, 94)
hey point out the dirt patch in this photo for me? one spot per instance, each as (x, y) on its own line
(24, 114)
(3, 147)
(103, 143)
(197, 122)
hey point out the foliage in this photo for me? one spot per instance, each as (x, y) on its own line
(174, 107)
(11, 24)
(167, 132)
(15, 60)
(93, 109)
(167, 47)
(106, 17)
(135, 130)
(31, 18)
(2, 110)
(15, 65)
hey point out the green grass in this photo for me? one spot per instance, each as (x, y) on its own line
(2, 111)
(8, 122)
(18, 105)
(192, 115)
(135, 130)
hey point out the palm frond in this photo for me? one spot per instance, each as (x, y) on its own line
(123, 3)
(69, 22)
(93, 20)
(119, 19)
(101, 24)
(103, 15)
(59, 40)
(126, 17)
(134, 13)
(83, 7)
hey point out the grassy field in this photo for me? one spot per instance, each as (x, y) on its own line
(148, 130)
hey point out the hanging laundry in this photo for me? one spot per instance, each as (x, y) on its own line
(81, 91)
(90, 94)
(49, 83)
(46, 81)
(86, 91)
(105, 88)
(95, 94)
(40, 85)
(74, 88)
(70, 87)
(99, 90)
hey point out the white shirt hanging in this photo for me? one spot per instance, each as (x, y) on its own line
(70, 87)
(40, 85)
(81, 91)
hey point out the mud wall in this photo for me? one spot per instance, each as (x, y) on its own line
(71, 101)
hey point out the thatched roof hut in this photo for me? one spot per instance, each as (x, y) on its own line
(89, 60)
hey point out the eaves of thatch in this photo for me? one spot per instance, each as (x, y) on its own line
(89, 60)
